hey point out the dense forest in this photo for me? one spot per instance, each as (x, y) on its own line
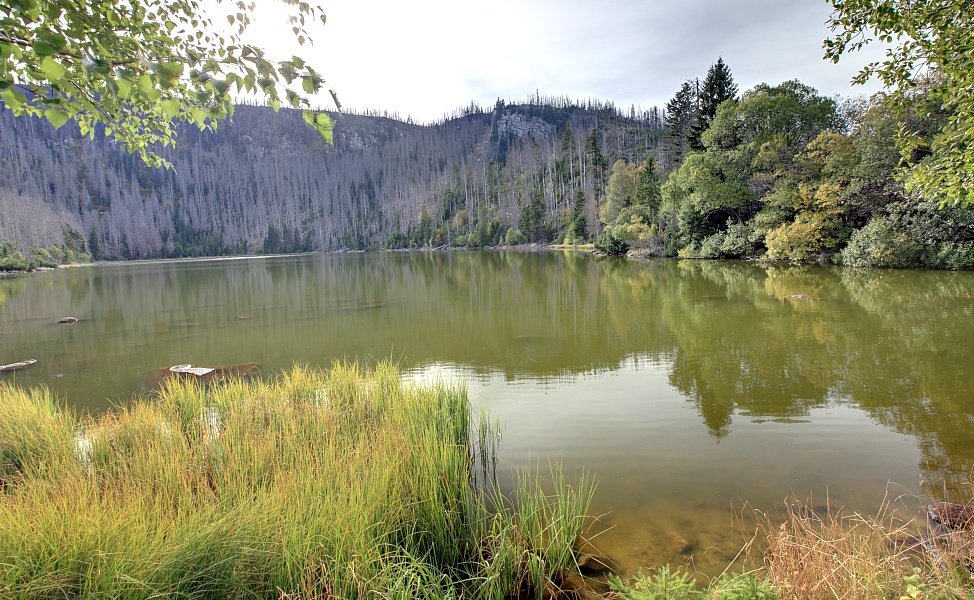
(779, 171)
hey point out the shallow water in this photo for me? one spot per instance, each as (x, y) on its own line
(685, 388)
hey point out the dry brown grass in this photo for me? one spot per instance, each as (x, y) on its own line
(836, 555)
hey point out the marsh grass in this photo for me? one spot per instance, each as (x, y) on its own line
(803, 554)
(338, 484)
(851, 556)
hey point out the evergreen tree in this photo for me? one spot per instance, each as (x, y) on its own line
(718, 87)
(532, 215)
(579, 224)
(680, 113)
(272, 243)
(648, 186)
(597, 161)
(94, 246)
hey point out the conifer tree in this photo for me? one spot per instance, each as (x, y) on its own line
(579, 224)
(718, 87)
(680, 111)
(532, 214)
(648, 186)
(597, 160)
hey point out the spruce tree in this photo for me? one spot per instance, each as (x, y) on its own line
(648, 186)
(597, 160)
(533, 213)
(718, 87)
(680, 112)
(579, 224)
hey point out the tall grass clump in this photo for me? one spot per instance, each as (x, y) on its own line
(35, 436)
(344, 483)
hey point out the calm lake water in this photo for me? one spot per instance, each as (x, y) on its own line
(684, 388)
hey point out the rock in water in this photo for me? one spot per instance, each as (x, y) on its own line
(593, 563)
(679, 544)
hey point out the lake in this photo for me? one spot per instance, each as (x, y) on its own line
(686, 388)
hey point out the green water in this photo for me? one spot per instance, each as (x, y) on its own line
(685, 388)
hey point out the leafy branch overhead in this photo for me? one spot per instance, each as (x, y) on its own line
(930, 44)
(138, 66)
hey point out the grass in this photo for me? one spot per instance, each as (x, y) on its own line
(853, 557)
(833, 556)
(350, 484)
(338, 484)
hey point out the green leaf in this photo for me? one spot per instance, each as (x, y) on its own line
(13, 99)
(308, 84)
(44, 49)
(56, 117)
(170, 108)
(55, 40)
(52, 69)
(221, 86)
(322, 123)
(124, 88)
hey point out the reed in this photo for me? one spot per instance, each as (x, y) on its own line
(320, 484)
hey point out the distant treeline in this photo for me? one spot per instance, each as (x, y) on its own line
(779, 172)
(268, 183)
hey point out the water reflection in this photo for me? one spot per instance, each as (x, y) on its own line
(680, 384)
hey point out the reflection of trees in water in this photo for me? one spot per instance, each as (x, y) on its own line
(785, 340)
(740, 338)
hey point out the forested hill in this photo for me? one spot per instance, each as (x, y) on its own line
(268, 183)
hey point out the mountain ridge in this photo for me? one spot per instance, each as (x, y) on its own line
(266, 182)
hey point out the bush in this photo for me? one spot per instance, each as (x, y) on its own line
(739, 239)
(913, 235)
(801, 239)
(611, 244)
(514, 237)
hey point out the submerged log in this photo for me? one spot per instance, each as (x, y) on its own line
(953, 516)
(18, 365)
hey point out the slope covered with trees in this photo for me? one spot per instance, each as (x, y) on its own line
(778, 171)
(268, 183)
(785, 173)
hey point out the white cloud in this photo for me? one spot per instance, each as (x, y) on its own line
(429, 57)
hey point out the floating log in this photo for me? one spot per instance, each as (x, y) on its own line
(204, 374)
(191, 370)
(18, 365)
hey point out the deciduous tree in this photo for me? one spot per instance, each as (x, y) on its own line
(135, 66)
(929, 41)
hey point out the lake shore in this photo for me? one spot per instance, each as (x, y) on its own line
(350, 484)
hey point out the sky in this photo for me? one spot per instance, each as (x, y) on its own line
(427, 58)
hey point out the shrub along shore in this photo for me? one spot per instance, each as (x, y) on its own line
(350, 484)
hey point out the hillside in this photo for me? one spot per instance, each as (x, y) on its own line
(266, 182)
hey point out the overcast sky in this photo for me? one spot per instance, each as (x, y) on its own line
(426, 58)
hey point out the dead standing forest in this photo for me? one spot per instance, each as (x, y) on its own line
(266, 182)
